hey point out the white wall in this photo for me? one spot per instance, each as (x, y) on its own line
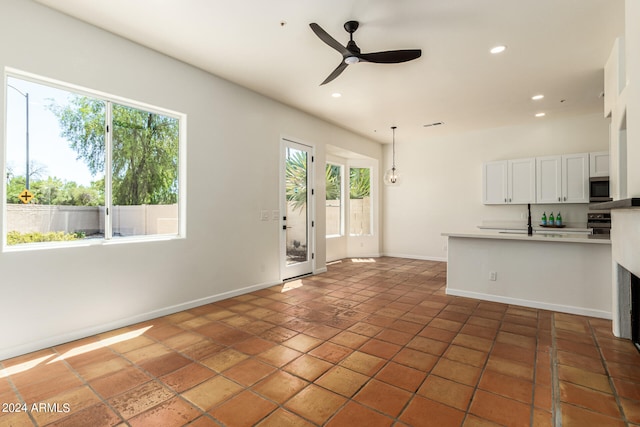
(442, 180)
(52, 296)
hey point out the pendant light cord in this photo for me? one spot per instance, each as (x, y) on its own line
(393, 164)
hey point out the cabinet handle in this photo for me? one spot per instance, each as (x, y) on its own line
(565, 198)
(505, 200)
(559, 199)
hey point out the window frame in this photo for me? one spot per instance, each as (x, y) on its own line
(342, 227)
(109, 100)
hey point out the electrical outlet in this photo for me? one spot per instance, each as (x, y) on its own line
(275, 215)
(493, 276)
(264, 215)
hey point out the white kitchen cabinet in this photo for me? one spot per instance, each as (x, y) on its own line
(599, 164)
(509, 182)
(562, 179)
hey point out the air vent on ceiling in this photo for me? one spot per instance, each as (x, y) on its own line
(433, 124)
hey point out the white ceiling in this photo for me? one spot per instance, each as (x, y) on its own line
(555, 47)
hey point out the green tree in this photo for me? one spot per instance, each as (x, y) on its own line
(296, 178)
(145, 148)
(359, 183)
(332, 180)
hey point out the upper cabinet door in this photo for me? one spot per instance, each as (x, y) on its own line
(522, 181)
(599, 164)
(575, 178)
(494, 183)
(549, 179)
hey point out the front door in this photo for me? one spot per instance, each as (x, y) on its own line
(296, 241)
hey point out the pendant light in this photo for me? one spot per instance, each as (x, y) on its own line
(392, 176)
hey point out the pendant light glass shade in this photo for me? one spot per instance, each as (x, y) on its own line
(392, 176)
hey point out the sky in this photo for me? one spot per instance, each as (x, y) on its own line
(46, 147)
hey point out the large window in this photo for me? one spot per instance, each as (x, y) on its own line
(334, 209)
(80, 166)
(359, 201)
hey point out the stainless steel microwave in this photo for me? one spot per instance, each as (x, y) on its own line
(599, 189)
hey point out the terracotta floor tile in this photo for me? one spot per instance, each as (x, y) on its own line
(448, 392)
(187, 377)
(364, 363)
(572, 416)
(249, 372)
(244, 410)
(11, 419)
(383, 349)
(426, 412)
(224, 360)
(212, 392)
(315, 404)
(377, 339)
(280, 386)
(302, 343)
(308, 367)
(465, 355)
(456, 371)
(331, 352)
(500, 409)
(476, 343)
(584, 378)
(279, 355)
(354, 414)
(349, 339)
(100, 369)
(416, 359)
(282, 418)
(395, 337)
(383, 397)
(579, 361)
(165, 364)
(401, 376)
(124, 380)
(52, 386)
(366, 329)
(590, 399)
(139, 399)
(510, 368)
(507, 386)
(437, 334)
(342, 381)
(175, 412)
(77, 398)
(254, 345)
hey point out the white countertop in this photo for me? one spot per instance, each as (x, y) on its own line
(537, 237)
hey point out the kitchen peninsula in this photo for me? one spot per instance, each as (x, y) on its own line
(568, 273)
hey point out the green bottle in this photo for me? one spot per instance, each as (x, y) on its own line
(551, 220)
(559, 219)
(543, 221)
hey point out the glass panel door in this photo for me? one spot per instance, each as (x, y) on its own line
(296, 238)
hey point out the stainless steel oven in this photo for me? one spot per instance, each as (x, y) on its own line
(599, 222)
(599, 189)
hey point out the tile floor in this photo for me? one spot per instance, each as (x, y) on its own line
(371, 344)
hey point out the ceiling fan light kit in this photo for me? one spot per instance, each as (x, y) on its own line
(351, 53)
(392, 176)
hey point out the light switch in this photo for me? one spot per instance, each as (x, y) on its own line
(275, 215)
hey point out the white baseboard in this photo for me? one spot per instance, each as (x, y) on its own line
(532, 304)
(7, 353)
(420, 257)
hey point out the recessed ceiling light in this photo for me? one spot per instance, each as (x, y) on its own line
(540, 114)
(537, 97)
(498, 49)
(336, 95)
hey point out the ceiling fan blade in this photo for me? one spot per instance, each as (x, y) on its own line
(325, 37)
(335, 73)
(391, 56)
